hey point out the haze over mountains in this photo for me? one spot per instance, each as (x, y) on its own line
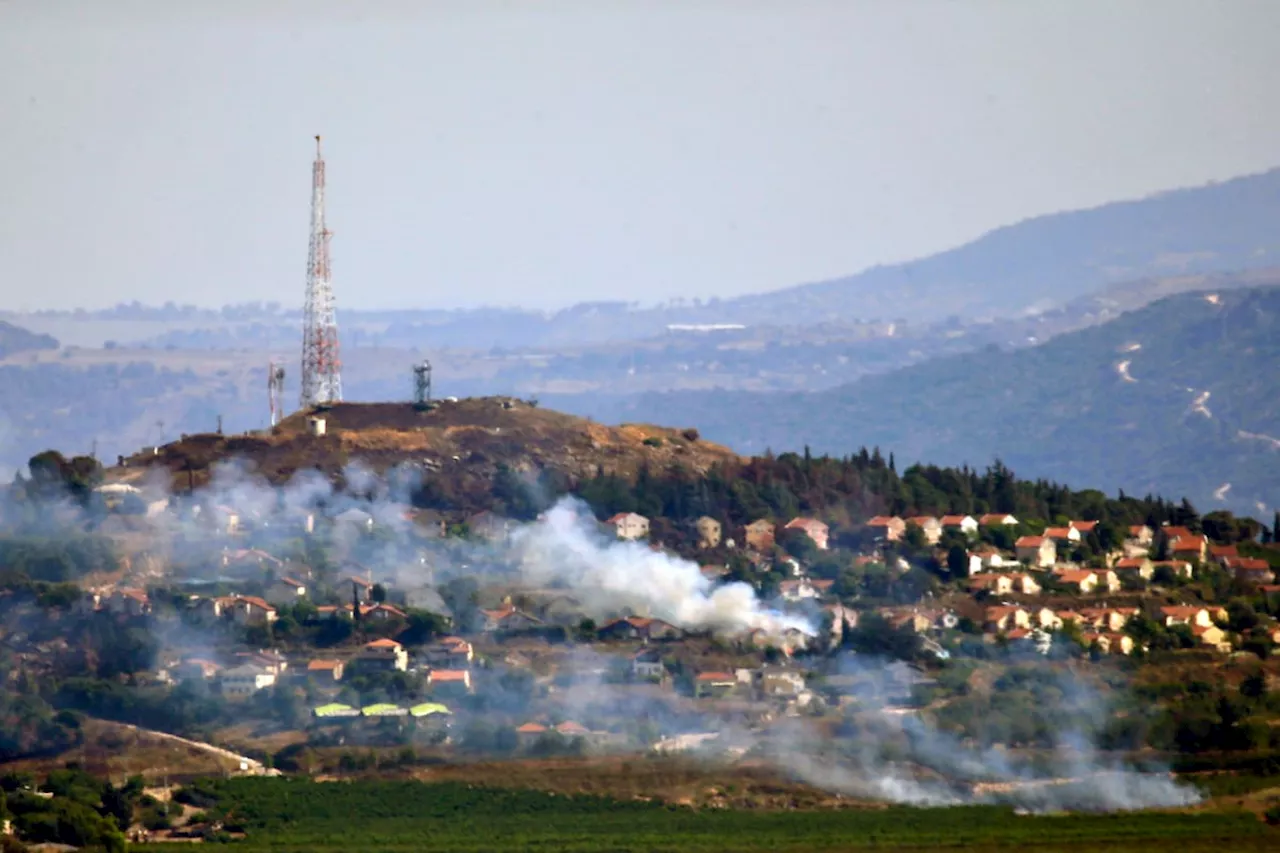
(939, 352)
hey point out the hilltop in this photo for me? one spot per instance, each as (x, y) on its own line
(15, 339)
(466, 441)
(1179, 398)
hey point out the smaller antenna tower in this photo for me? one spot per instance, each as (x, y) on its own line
(422, 385)
(275, 391)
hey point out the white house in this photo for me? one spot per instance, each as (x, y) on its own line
(629, 525)
(384, 654)
(1037, 551)
(647, 663)
(243, 681)
(966, 524)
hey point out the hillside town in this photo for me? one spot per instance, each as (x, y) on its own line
(353, 626)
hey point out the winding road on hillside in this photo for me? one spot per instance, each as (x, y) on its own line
(248, 766)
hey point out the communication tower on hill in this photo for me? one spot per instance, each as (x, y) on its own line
(422, 385)
(321, 367)
(275, 391)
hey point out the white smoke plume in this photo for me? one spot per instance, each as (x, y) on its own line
(565, 545)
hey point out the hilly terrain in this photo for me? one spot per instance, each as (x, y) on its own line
(1179, 397)
(15, 340)
(462, 443)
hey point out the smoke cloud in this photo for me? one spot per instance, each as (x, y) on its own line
(566, 546)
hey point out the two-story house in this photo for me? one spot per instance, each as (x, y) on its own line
(759, 534)
(966, 524)
(708, 530)
(241, 682)
(811, 527)
(887, 528)
(384, 654)
(286, 592)
(1037, 551)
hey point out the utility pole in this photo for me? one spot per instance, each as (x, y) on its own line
(321, 368)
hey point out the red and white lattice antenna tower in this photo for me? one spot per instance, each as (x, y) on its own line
(321, 368)
(275, 391)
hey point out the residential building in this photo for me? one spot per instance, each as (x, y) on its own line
(1084, 527)
(1135, 567)
(640, 628)
(1108, 619)
(781, 681)
(1141, 534)
(384, 654)
(629, 525)
(1189, 547)
(714, 684)
(449, 653)
(708, 532)
(361, 589)
(804, 589)
(646, 664)
(1107, 580)
(1037, 551)
(1212, 636)
(1250, 569)
(127, 602)
(529, 734)
(508, 618)
(886, 527)
(1186, 615)
(1062, 536)
(929, 526)
(988, 558)
(993, 583)
(249, 610)
(1180, 568)
(325, 671)
(759, 534)
(382, 613)
(286, 592)
(243, 681)
(1046, 619)
(966, 524)
(997, 519)
(449, 681)
(1221, 552)
(1006, 617)
(814, 529)
(1082, 581)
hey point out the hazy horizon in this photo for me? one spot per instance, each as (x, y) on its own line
(486, 153)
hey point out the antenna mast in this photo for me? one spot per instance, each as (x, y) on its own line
(321, 368)
(275, 391)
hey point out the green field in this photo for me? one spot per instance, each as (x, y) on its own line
(295, 815)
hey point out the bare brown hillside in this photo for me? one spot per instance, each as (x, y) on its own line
(467, 439)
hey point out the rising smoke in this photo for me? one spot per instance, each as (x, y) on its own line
(895, 754)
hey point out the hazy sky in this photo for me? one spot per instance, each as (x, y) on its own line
(541, 153)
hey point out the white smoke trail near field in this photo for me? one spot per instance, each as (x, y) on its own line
(566, 545)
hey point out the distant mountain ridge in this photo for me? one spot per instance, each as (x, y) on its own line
(15, 339)
(1051, 259)
(1180, 397)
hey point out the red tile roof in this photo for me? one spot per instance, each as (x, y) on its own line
(1084, 526)
(384, 643)
(322, 665)
(531, 729)
(716, 676)
(448, 675)
(1029, 541)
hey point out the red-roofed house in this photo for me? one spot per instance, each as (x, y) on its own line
(1006, 617)
(1135, 567)
(1250, 569)
(128, 602)
(508, 618)
(714, 684)
(803, 589)
(629, 525)
(966, 524)
(1189, 547)
(1062, 535)
(251, 610)
(1180, 568)
(640, 628)
(1037, 551)
(1141, 534)
(449, 680)
(325, 670)
(997, 519)
(1085, 527)
(887, 527)
(814, 529)
(384, 654)
(571, 729)
(1080, 580)
(1219, 552)
(1186, 615)
(529, 734)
